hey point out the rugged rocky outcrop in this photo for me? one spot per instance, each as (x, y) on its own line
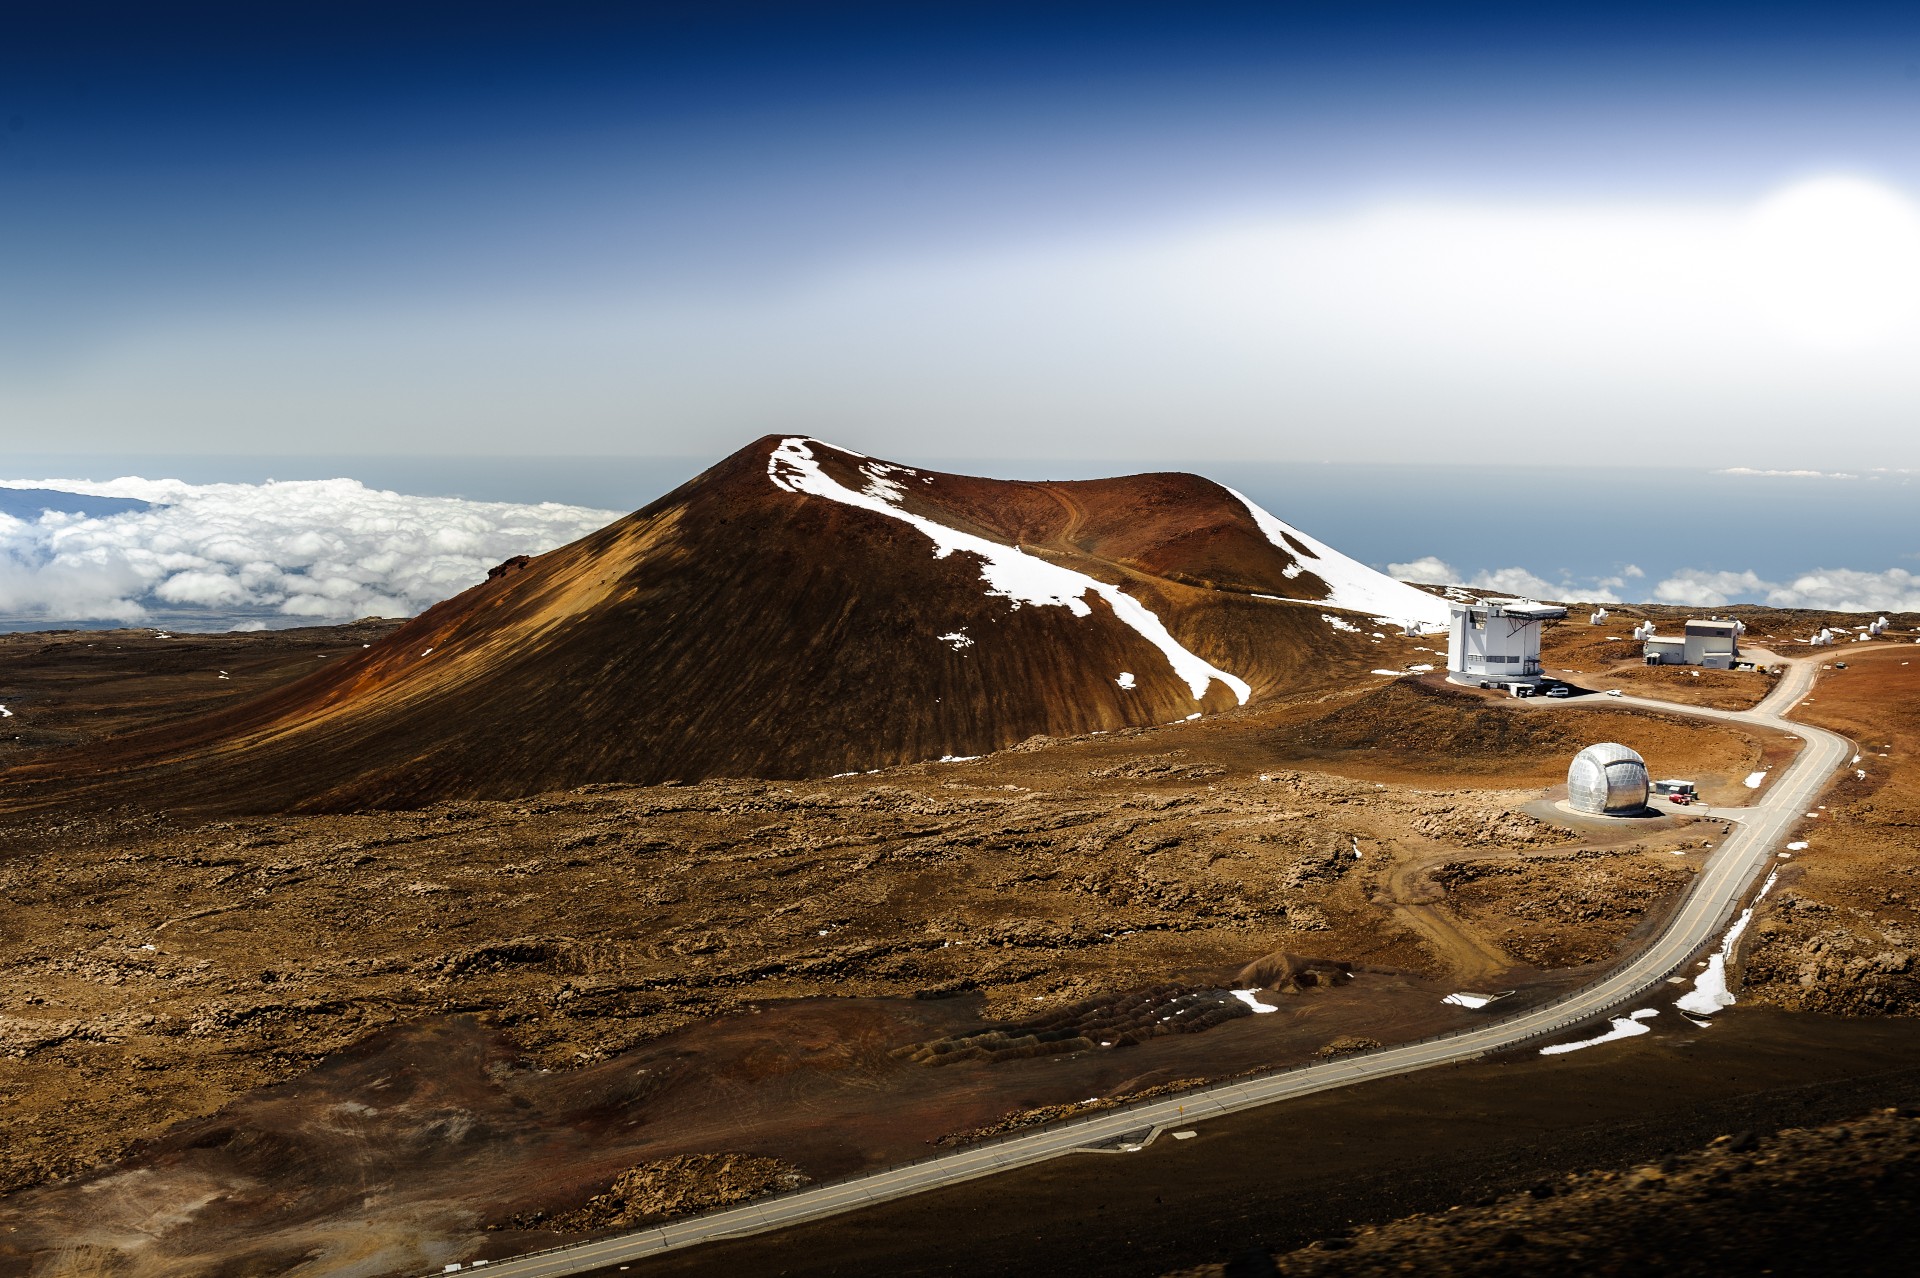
(680, 1186)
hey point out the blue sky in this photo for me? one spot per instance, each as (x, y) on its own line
(1279, 232)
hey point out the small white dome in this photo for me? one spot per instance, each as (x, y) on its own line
(1608, 779)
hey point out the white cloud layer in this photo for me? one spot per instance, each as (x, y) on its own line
(1517, 581)
(324, 550)
(1834, 590)
(1710, 589)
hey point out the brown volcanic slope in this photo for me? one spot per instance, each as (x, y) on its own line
(743, 626)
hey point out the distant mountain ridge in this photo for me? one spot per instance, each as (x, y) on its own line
(31, 503)
(796, 610)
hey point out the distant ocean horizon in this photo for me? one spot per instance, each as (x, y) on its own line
(1692, 534)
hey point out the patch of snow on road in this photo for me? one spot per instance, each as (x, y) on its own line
(1391, 674)
(1125, 680)
(1351, 584)
(1710, 992)
(1009, 572)
(1798, 845)
(958, 758)
(959, 639)
(1620, 1027)
(1755, 778)
(1248, 997)
(1467, 1000)
(1420, 669)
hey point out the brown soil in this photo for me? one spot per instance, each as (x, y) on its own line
(501, 1012)
(1426, 730)
(1832, 1199)
(1567, 909)
(1841, 931)
(159, 971)
(68, 687)
(736, 627)
(1606, 656)
(1469, 1136)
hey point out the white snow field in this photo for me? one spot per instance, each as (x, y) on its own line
(1351, 585)
(1710, 992)
(1619, 1027)
(1009, 572)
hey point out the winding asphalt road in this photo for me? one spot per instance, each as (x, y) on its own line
(1710, 903)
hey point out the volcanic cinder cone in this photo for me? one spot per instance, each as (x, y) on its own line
(797, 610)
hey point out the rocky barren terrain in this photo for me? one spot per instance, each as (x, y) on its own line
(797, 610)
(1841, 932)
(164, 968)
(485, 907)
(1831, 1199)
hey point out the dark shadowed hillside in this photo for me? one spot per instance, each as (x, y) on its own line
(796, 610)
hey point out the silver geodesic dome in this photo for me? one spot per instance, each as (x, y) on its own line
(1607, 779)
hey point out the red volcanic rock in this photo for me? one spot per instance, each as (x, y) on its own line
(797, 610)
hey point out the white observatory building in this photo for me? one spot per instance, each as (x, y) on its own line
(1714, 645)
(1496, 642)
(1608, 779)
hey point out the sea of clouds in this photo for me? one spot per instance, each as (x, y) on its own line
(246, 556)
(1837, 590)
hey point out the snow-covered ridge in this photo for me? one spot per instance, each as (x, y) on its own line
(1009, 572)
(1351, 585)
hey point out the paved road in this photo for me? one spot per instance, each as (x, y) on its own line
(1715, 894)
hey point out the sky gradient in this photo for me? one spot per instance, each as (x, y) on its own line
(1278, 232)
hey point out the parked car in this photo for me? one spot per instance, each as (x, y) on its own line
(1682, 799)
(1559, 690)
(1615, 692)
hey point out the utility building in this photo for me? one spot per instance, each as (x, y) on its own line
(1497, 641)
(1712, 644)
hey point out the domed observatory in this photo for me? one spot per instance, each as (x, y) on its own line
(1607, 780)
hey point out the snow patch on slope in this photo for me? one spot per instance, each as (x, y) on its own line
(1619, 1027)
(1351, 584)
(1710, 991)
(1009, 573)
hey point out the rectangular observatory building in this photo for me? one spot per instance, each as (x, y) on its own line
(1496, 641)
(1712, 644)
